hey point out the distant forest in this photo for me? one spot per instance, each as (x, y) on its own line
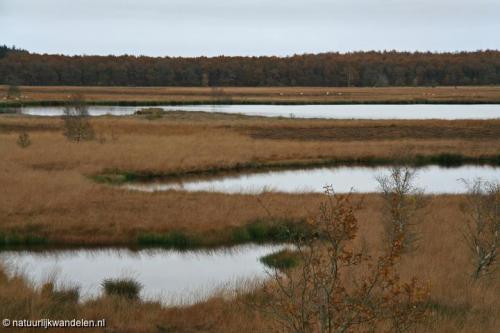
(358, 69)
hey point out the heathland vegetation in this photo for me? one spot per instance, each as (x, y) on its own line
(359, 69)
(413, 267)
(194, 143)
(348, 277)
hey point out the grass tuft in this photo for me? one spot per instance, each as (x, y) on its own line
(126, 288)
(151, 113)
(284, 259)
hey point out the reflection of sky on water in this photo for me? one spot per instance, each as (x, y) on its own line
(362, 111)
(432, 179)
(177, 276)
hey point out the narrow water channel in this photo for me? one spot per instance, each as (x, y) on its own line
(169, 276)
(355, 111)
(432, 179)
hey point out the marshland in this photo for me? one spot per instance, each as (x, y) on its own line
(249, 166)
(69, 203)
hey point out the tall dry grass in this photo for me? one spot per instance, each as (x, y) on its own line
(180, 144)
(45, 189)
(458, 304)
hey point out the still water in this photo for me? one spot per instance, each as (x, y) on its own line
(432, 179)
(169, 276)
(358, 111)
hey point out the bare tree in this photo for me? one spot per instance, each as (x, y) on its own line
(482, 229)
(402, 201)
(336, 288)
(77, 126)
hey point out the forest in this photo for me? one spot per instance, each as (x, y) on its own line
(357, 69)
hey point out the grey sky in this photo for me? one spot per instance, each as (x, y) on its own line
(247, 27)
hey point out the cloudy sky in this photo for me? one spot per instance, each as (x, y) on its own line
(247, 27)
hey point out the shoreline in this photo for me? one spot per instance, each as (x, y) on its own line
(117, 176)
(56, 103)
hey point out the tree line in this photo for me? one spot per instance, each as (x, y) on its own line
(358, 69)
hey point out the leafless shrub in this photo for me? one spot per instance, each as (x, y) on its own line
(24, 140)
(77, 126)
(402, 201)
(482, 229)
(338, 289)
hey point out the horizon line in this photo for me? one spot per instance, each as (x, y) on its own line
(14, 47)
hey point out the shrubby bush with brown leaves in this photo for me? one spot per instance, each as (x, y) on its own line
(338, 288)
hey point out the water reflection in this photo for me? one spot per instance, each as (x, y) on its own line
(432, 179)
(170, 276)
(358, 111)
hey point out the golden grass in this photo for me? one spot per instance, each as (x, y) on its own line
(262, 94)
(459, 305)
(46, 191)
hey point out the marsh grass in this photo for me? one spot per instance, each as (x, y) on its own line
(284, 259)
(125, 287)
(57, 95)
(118, 177)
(174, 239)
(69, 295)
(60, 295)
(456, 305)
(265, 101)
(16, 240)
(273, 230)
(45, 198)
(450, 160)
(257, 231)
(151, 113)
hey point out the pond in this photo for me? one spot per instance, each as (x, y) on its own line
(432, 179)
(357, 111)
(169, 276)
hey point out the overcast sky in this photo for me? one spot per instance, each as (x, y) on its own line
(247, 27)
